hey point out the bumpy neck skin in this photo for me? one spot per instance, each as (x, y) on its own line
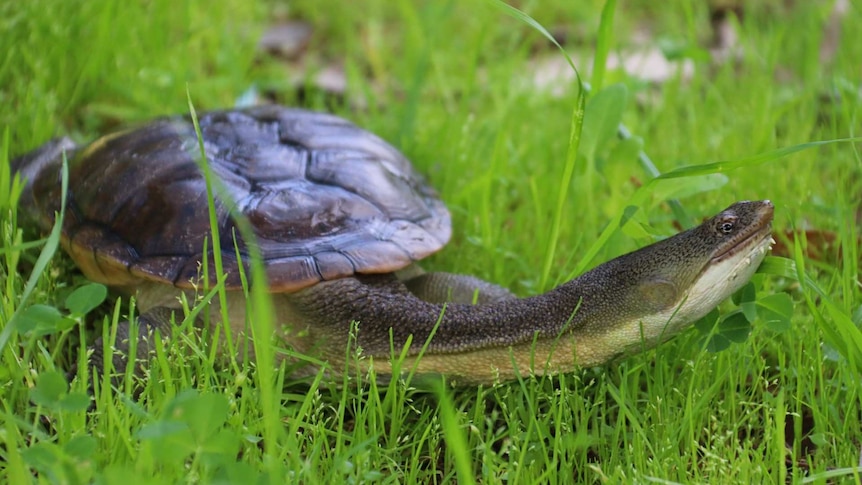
(633, 301)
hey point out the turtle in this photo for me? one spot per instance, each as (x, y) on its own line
(340, 218)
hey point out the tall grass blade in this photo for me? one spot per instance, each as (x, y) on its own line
(603, 44)
(51, 245)
(261, 310)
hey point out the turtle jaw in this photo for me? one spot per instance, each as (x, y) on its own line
(726, 274)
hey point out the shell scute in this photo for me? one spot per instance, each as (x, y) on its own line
(325, 199)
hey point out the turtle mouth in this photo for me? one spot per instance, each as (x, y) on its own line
(757, 236)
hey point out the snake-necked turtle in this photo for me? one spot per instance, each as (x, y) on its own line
(337, 212)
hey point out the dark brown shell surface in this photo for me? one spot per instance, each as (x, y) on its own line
(325, 199)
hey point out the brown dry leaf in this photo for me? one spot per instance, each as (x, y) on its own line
(821, 245)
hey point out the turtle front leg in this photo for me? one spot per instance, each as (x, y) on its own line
(442, 287)
(155, 323)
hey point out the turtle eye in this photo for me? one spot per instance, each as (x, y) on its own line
(726, 225)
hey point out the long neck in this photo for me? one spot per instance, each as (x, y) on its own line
(465, 328)
(569, 326)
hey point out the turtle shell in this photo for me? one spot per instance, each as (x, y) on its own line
(325, 199)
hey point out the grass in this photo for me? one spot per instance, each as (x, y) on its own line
(446, 82)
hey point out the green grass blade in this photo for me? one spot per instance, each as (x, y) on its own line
(642, 193)
(261, 310)
(603, 44)
(456, 442)
(523, 17)
(770, 156)
(51, 245)
(577, 122)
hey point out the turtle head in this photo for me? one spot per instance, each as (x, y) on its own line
(660, 289)
(724, 252)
